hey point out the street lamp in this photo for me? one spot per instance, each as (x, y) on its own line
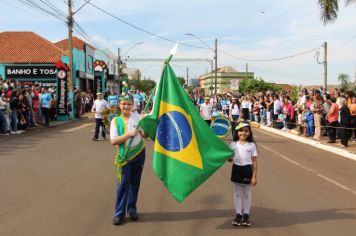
(215, 51)
(119, 59)
(132, 47)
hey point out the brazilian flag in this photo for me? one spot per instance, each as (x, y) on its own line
(186, 152)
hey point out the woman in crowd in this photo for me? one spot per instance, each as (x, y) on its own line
(317, 109)
(22, 109)
(345, 122)
(288, 111)
(332, 118)
(256, 109)
(352, 108)
(270, 108)
(235, 113)
(245, 107)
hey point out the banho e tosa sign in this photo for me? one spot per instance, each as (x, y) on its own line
(24, 71)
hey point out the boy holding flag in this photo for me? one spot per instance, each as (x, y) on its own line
(129, 160)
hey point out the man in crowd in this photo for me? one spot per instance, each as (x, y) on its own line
(46, 99)
(205, 110)
(113, 99)
(98, 107)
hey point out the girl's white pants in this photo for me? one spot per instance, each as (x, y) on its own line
(242, 191)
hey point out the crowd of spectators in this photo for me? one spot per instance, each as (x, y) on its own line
(23, 106)
(313, 113)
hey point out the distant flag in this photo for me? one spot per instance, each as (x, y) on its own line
(186, 152)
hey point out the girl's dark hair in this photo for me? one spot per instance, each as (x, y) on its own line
(249, 137)
(237, 102)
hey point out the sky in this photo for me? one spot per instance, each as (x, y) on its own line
(247, 31)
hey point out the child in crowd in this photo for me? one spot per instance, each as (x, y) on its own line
(300, 120)
(309, 120)
(244, 171)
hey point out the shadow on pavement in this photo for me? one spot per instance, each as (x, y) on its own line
(261, 217)
(21, 143)
(178, 216)
(270, 218)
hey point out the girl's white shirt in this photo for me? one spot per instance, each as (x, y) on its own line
(243, 153)
(236, 110)
(246, 104)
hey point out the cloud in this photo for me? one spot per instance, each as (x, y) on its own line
(247, 29)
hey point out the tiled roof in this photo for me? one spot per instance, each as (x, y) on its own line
(226, 69)
(77, 43)
(27, 47)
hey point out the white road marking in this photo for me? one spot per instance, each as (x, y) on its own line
(334, 182)
(311, 170)
(76, 128)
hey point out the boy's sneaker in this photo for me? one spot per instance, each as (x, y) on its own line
(237, 221)
(246, 220)
(117, 220)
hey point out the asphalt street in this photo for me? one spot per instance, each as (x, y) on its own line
(57, 181)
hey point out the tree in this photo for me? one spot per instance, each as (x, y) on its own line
(294, 94)
(181, 80)
(344, 79)
(190, 90)
(257, 85)
(143, 85)
(147, 85)
(330, 8)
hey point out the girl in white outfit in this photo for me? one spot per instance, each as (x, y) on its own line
(244, 171)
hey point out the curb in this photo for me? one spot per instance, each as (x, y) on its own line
(337, 151)
(57, 124)
(61, 123)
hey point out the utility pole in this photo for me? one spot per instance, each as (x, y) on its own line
(70, 57)
(212, 78)
(187, 76)
(246, 77)
(325, 66)
(118, 71)
(216, 65)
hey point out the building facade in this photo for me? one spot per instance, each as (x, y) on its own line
(83, 59)
(227, 80)
(29, 58)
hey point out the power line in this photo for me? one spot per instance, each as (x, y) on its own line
(53, 7)
(36, 6)
(282, 74)
(272, 59)
(283, 13)
(86, 2)
(341, 46)
(141, 29)
(58, 13)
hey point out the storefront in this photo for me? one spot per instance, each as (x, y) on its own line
(100, 75)
(38, 75)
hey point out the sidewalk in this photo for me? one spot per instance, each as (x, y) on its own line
(52, 124)
(349, 152)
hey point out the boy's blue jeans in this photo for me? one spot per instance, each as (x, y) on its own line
(127, 190)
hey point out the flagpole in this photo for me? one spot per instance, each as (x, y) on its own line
(149, 99)
(173, 51)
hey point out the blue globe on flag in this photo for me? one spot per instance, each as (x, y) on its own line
(174, 132)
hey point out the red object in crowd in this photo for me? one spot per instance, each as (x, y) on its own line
(289, 110)
(9, 94)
